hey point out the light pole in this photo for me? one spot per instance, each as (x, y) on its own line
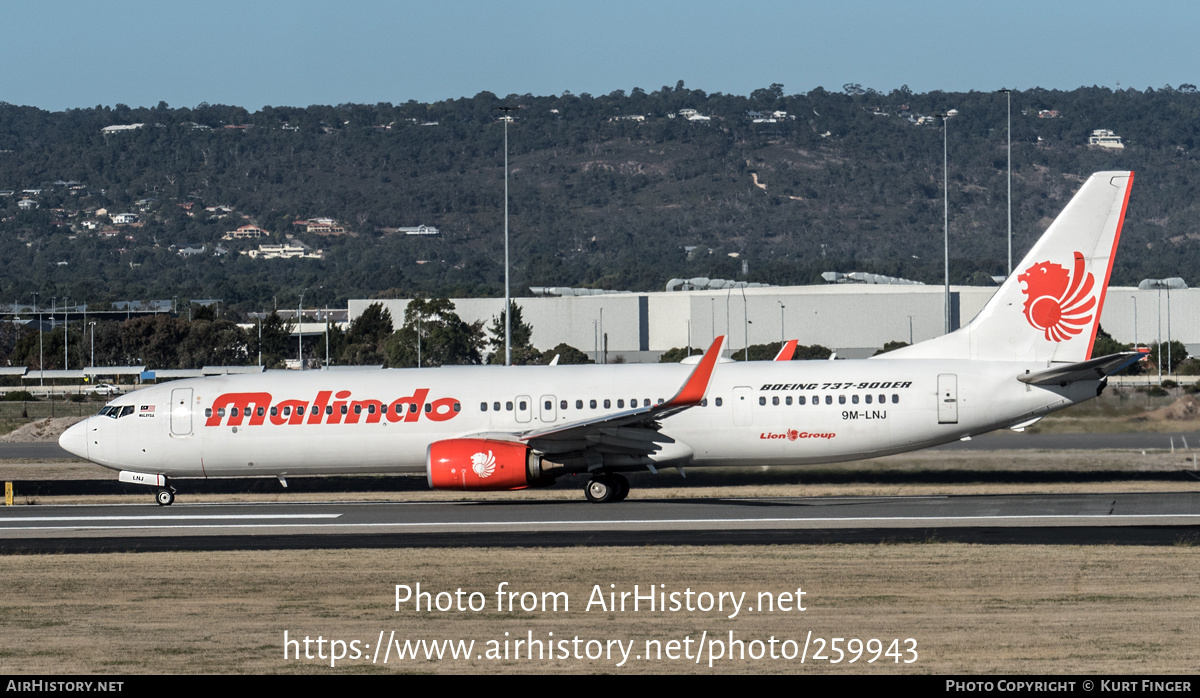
(603, 339)
(66, 343)
(92, 324)
(507, 296)
(260, 314)
(782, 333)
(910, 334)
(745, 327)
(946, 207)
(1170, 370)
(41, 368)
(300, 329)
(1135, 342)
(1009, 93)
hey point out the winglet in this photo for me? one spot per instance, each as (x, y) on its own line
(787, 351)
(693, 390)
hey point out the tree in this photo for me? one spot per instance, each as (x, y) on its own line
(1173, 353)
(815, 352)
(676, 354)
(566, 354)
(364, 343)
(276, 344)
(433, 335)
(891, 346)
(523, 353)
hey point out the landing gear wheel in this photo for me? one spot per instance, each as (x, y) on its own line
(602, 489)
(164, 497)
(622, 487)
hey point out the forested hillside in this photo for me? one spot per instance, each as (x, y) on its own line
(844, 181)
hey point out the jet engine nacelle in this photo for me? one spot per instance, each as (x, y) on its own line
(484, 464)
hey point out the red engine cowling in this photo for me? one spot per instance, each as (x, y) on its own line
(477, 464)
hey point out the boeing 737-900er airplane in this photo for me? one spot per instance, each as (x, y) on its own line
(1027, 353)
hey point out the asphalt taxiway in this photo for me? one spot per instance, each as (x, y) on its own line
(1130, 518)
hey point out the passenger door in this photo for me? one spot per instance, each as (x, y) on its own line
(181, 412)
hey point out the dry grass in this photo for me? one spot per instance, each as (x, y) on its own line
(972, 609)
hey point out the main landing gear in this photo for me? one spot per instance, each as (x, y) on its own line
(607, 487)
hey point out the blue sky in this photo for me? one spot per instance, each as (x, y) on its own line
(73, 53)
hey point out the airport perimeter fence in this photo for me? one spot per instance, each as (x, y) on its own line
(40, 409)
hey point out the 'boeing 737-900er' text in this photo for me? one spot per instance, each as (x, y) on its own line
(1027, 353)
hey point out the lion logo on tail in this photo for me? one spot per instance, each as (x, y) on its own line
(1059, 302)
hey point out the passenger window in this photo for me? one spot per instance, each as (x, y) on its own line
(412, 407)
(828, 399)
(508, 406)
(854, 399)
(788, 400)
(428, 408)
(523, 405)
(328, 409)
(895, 398)
(579, 404)
(841, 399)
(357, 409)
(344, 409)
(457, 407)
(607, 404)
(592, 404)
(882, 399)
(704, 402)
(718, 402)
(207, 411)
(775, 401)
(221, 412)
(800, 400)
(287, 411)
(300, 409)
(547, 405)
(868, 399)
(762, 400)
(260, 412)
(620, 403)
(483, 407)
(371, 408)
(562, 404)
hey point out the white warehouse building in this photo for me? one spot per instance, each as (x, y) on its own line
(855, 320)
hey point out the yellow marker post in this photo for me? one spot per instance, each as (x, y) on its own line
(8, 494)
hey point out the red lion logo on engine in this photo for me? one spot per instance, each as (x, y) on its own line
(1058, 302)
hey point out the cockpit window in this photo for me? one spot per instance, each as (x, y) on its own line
(126, 410)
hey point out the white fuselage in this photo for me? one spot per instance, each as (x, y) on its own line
(756, 413)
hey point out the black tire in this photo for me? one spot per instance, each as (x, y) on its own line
(622, 486)
(601, 490)
(164, 497)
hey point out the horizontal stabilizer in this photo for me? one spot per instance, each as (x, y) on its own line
(1091, 370)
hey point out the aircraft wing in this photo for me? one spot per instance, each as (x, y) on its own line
(633, 432)
(1093, 369)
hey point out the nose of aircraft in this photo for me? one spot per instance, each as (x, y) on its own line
(75, 439)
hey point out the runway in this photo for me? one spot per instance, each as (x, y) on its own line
(994, 441)
(1130, 518)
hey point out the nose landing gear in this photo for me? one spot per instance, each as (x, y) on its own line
(165, 496)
